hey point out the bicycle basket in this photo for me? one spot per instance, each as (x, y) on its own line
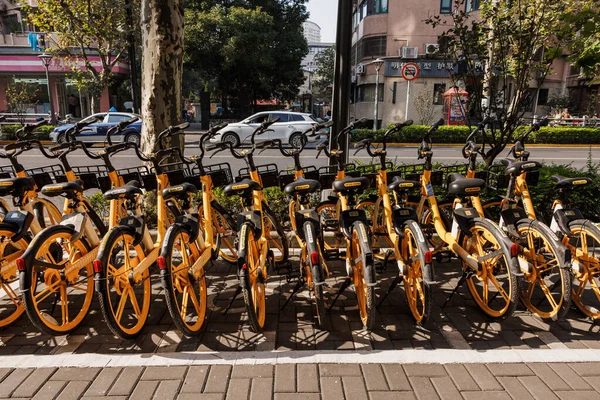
(413, 172)
(371, 170)
(268, 174)
(448, 170)
(219, 173)
(89, 174)
(288, 176)
(328, 173)
(43, 176)
(496, 178)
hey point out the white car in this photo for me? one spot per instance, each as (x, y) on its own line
(288, 129)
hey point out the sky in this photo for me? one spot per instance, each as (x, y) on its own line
(324, 14)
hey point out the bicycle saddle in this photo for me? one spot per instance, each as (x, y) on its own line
(401, 184)
(461, 186)
(242, 188)
(128, 191)
(514, 167)
(347, 184)
(179, 191)
(68, 189)
(16, 186)
(302, 186)
(567, 183)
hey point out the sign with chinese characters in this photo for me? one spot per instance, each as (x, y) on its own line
(427, 68)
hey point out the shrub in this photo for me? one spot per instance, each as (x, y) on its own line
(41, 133)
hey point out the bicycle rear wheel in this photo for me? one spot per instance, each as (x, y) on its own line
(11, 305)
(494, 286)
(253, 284)
(57, 289)
(185, 290)
(365, 294)
(124, 295)
(417, 281)
(313, 247)
(585, 245)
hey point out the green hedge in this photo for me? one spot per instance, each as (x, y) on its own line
(42, 133)
(458, 134)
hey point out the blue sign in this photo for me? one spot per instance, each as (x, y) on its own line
(428, 68)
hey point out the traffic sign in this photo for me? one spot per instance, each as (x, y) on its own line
(410, 71)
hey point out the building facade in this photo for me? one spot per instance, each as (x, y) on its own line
(395, 31)
(20, 47)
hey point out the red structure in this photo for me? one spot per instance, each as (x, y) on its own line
(455, 106)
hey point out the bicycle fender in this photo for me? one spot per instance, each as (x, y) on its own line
(190, 223)
(465, 217)
(316, 269)
(304, 216)
(252, 217)
(565, 253)
(349, 218)
(242, 254)
(401, 216)
(366, 252)
(19, 222)
(564, 218)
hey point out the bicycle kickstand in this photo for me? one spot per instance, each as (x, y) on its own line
(238, 290)
(395, 283)
(299, 285)
(344, 286)
(468, 274)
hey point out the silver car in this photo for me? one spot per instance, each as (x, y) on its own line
(288, 129)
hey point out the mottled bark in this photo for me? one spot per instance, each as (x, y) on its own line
(162, 67)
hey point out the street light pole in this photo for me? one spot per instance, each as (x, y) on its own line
(46, 59)
(378, 63)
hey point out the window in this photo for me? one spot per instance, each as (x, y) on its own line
(259, 119)
(366, 93)
(282, 117)
(543, 97)
(115, 118)
(11, 24)
(471, 5)
(296, 117)
(376, 6)
(446, 7)
(438, 93)
(375, 46)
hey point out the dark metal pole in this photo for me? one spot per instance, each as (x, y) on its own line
(342, 80)
(133, 77)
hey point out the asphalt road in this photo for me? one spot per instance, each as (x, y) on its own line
(576, 156)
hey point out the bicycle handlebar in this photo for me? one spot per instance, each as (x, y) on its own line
(27, 129)
(434, 127)
(119, 128)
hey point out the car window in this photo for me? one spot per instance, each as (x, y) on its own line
(296, 117)
(258, 119)
(115, 118)
(282, 117)
(99, 118)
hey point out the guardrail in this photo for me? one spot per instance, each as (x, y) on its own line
(15, 119)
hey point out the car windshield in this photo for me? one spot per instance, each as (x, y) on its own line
(98, 117)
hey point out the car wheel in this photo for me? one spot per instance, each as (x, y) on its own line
(60, 139)
(133, 138)
(297, 140)
(232, 138)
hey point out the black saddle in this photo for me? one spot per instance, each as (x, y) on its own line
(461, 186)
(516, 168)
(302, 186)
(181, 192)
(128, 191)
(569, 183)
(16, 186)
(68, 189)
(351, 184)
(242, 188)
(401, 184)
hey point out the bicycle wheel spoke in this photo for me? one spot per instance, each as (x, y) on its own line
(486, 291)
(184, 302)
(10, 292)
(64, 304)
(499, 287)
(122, 303)
(134, 303)
(580, 288)
(46, 292)
(547, 293)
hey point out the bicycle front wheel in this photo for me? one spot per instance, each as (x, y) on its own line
(585, 245)
(58, 281)
(419, 273)
(11, 306)
(546, 287)
(494, 286)
(185, 290)
(361, 264)
(124, 294)
(253, 278)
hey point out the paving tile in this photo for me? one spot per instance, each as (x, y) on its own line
(423, 388)
(578, 395)
(261, 389)
(167, 390)
(374, 377)
(331, 388)
(570, 377)
(509, 369)
(586, 369)
(308, 378)
(252, 371)
(461, 377)
(514, 387)
(425, 370)
(218, 378)
(195, 379)
(395, 377)
(238, 389)
(73, 391)
(105, 398)
(49, 390)
(75, 374)
(163, 373)
(33, 382)
(354, 388)
(488, 395)
(538, 389)
(445, 388)
(339, 370)
(126, 381)
(285, 378)
(483, 377)
(297, 396)
(103, 382)
(144, 390)
(391, 395)
(4, 372)
(13, 381)
(549, 377)
(199, 396)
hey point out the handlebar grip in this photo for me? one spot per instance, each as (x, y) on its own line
(16, 146)
(323, 125)
(38, 124)
(124, 124)
(436, 125)
(181, 127)
(61, 146)
(82, 124)
(267, 124)
(362, 143)
(216, 128)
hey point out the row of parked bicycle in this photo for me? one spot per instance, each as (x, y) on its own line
(53, 261)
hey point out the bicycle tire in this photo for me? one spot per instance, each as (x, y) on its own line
(11, 306)
(45, 219)
(280, 244)
(178, 284)
(365, 294)
(35, 278)
(560, 268)
(252, 278)
(115, 282)
(312, 246)
(418, 281)
(498, 266)
(586, 253)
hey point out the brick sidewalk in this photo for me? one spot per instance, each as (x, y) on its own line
(308, 381)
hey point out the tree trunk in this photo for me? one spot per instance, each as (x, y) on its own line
(162, 67)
